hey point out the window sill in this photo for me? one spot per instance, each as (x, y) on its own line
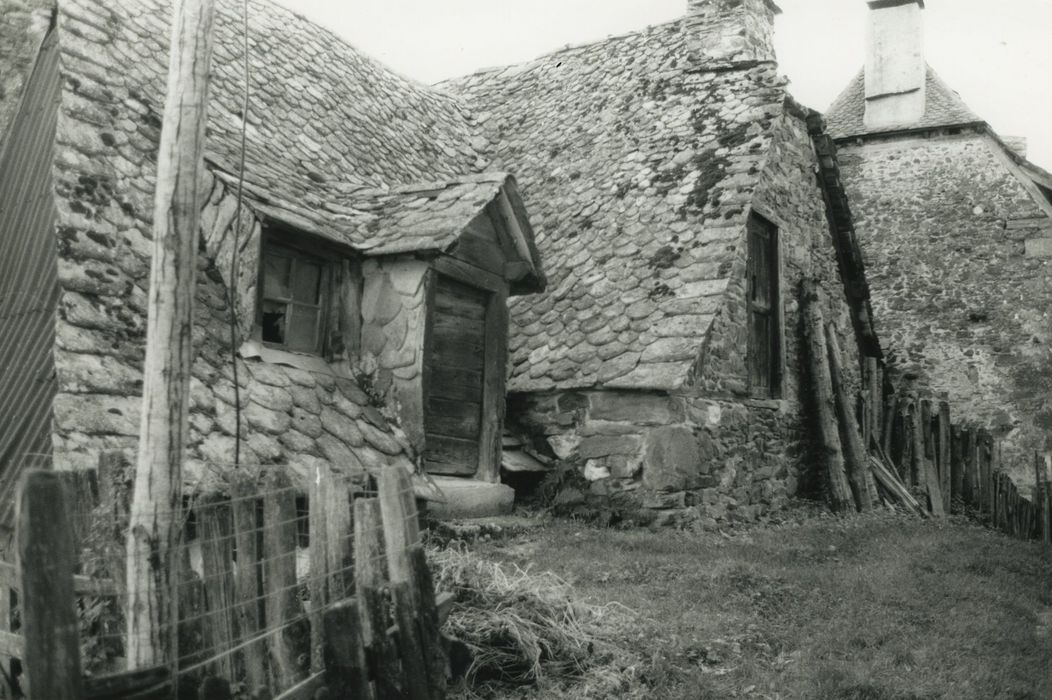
(255, 350)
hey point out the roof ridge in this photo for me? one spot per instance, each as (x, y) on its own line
(566, 48)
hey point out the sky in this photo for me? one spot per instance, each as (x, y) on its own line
(997, 55)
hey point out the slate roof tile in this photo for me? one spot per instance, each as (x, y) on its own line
(628, 152)
(944, 107)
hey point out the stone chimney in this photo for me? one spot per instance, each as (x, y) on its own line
(896, 71)
(733, 31)
(1017, 144)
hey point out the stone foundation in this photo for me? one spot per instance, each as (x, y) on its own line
(712, 460)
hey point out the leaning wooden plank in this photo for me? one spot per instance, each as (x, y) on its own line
(147, 682)
(854, 449)
(942, 422)
(370, 578)
(216, 525)
(248, 579)
(284, 613)
(414, 669)
(924, 453)
(957, 445)
(344, 652)
(840, 499)
(887, 478)
(890, 412)
(430, 632)
(307, 689)
(401, 529)
(49, 616)
(968, 463)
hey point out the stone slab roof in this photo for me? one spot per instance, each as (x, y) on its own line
(637, 157)
(421, 217)
(324, 119)
(943, 107)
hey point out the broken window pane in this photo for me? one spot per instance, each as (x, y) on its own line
(274, 321)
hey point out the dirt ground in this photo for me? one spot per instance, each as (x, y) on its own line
(874, 607)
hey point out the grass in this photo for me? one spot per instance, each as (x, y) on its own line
(876, 607)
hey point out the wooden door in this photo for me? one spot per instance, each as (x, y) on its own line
(455, 372)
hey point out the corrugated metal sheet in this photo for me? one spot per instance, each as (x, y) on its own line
(28, 278)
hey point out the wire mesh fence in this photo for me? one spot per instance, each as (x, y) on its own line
(258, 564)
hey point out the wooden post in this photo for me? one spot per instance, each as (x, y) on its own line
(401, 529)
(414, 670)
(854, 448)
(926, 447)
(427, 619)
(890, 412)
(840, 499)
(49, 616)
(945, 470)
(875, 391)
(346, 673)
(317, 583)
(166, 372)
(248, 579)
(282, 605)
(216, 528)
(370, 578)
(957, 444)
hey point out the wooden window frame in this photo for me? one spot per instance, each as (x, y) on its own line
(772, 310)
(291, 243)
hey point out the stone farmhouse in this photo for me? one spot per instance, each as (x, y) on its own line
(674, 184)
(956, 228)
(676, 192)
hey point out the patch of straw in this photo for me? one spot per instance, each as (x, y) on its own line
(521, 627)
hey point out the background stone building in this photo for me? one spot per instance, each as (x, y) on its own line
(956, 228)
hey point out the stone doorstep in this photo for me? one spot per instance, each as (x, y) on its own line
(467, 499)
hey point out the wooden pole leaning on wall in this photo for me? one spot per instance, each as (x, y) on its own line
(47, 561)
(840, 498)
(166, 373)
(854, 449)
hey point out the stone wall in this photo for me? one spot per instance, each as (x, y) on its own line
(289, 415)
(954, 241)
(394, 306)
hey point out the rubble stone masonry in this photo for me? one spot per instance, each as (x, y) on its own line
(957, 246)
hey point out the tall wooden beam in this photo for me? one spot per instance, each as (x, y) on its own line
(166, 374)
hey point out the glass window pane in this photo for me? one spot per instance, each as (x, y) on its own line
(277, 270)
(274, 322)
(303, 329)
(306, 282)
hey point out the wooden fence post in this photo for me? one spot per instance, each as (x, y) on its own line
(216, 528)
(49, 616)
(248, 579)
(346, 673)
(370, 578)
(282, 605)
(957, 443)
(166, 370)
(945, 470)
